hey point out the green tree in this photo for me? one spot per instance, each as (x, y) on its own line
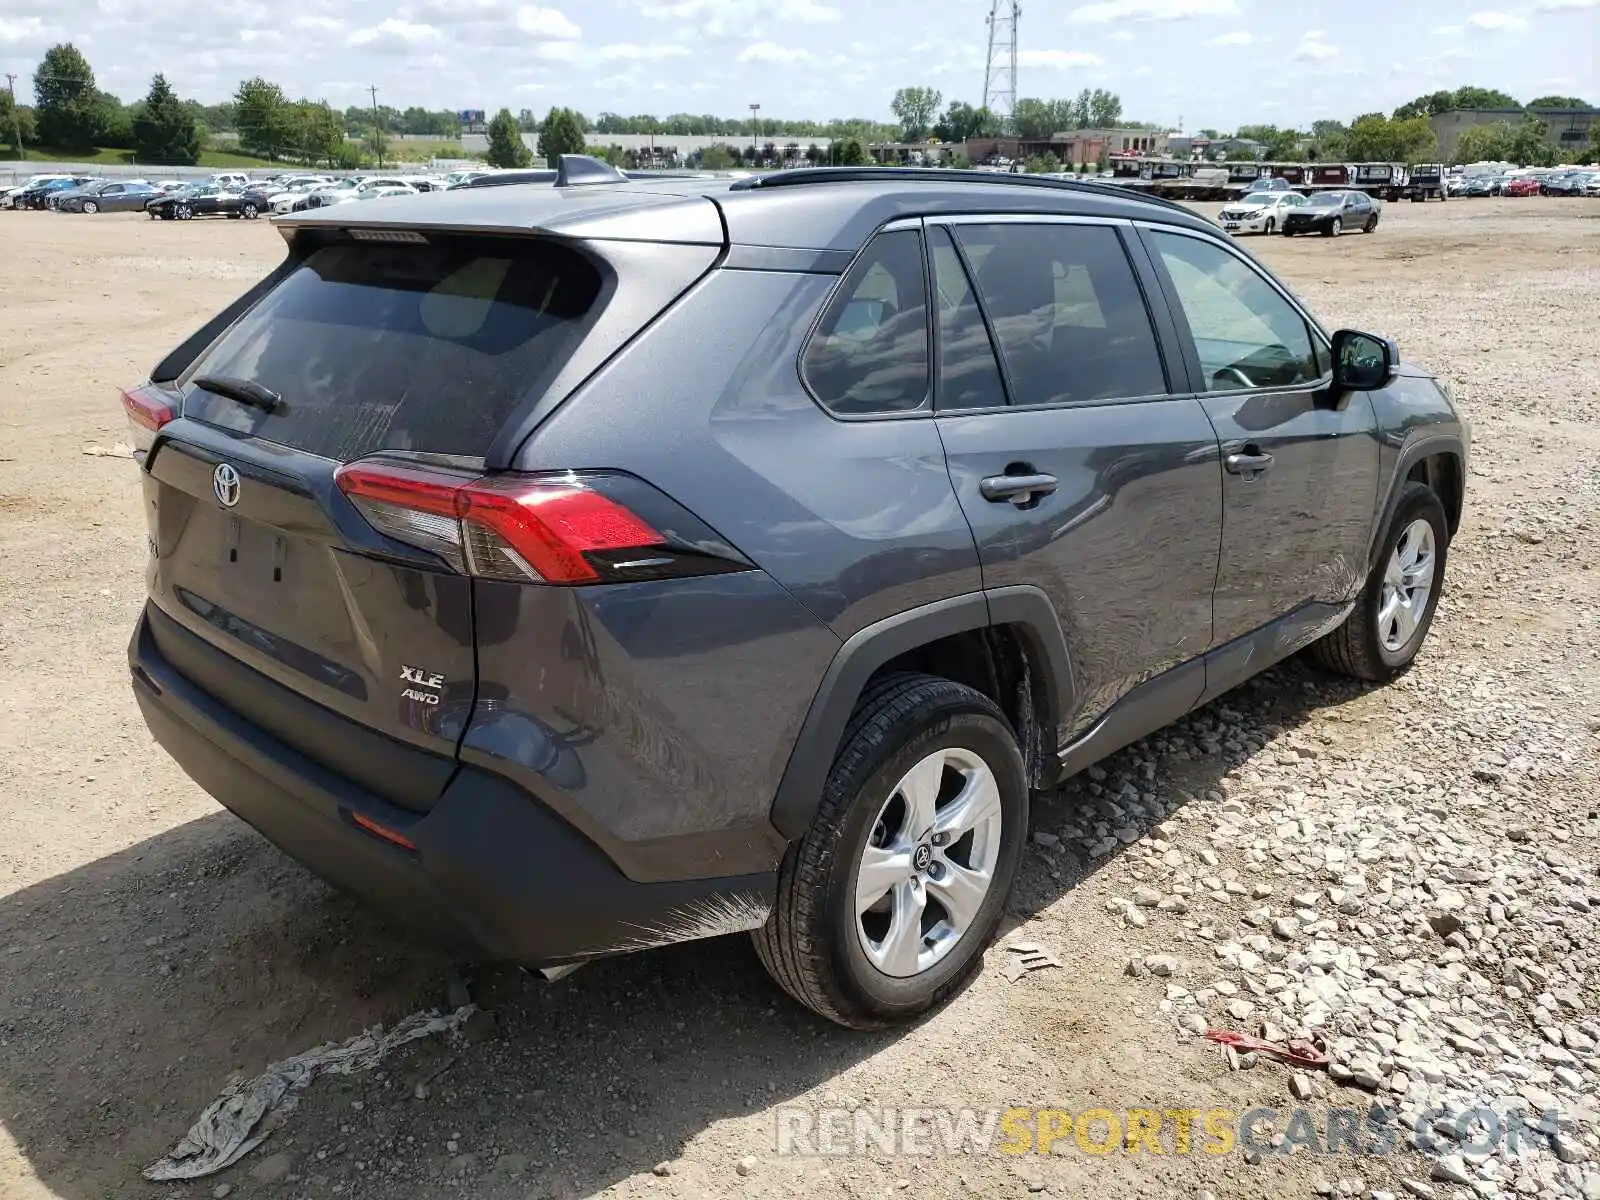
(16, 121)
(1277, 145)
(1329, 140)
(1557, 102)
(164, 131)
(1484, 143)
(506, 147)
(1529, 146)
(1375, 138)
(561, 132)
(1034, 119)
(961, 121)
(916, 108)
(1477, 97)
(66, 102)
(319, 132)
(716, 158)
(849, 153)
(1105, 109)
(264, 117)
(1430, 105)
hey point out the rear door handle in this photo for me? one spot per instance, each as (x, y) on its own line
(1247, 464)
(1020, 490)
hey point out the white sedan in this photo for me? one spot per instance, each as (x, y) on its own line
(1259, 212)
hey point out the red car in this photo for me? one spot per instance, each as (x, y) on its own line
(1524, 185)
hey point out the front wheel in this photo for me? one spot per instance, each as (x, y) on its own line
(1335, 228)
(885, 905)
(90, 207)
(248, 212)
(1270, 226)
(1385, 631)
(185, 213)
(1372, 223)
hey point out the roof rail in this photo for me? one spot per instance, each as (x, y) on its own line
(807, 175)
(576, 169)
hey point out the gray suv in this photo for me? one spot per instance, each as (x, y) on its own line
(584, 568)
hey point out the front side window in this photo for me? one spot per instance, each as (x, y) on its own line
(969, 375)
(1066, 310)
(1245, 333)
(869, 354)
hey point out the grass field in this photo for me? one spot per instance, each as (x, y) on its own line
(125, 158)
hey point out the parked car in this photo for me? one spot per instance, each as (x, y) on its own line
(430, 589)
(1591, 184)
(1259, 212)
(1333, 213)
(1478, 186)
(333, 193)
(506, 178)
(1521, 185)
(171, 185)
(1456, 185)
(11, 197)
(204, 200)
(37, 195)
(127, 195)
(454, 177)
(1271, 184)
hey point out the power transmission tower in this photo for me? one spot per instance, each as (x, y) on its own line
(1000, 71)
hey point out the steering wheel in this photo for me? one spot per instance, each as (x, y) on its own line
(1235, 375)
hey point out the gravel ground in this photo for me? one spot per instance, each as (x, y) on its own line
(1410, 870)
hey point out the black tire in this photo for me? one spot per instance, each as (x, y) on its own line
(1355, 648)
(1372, 223)
(810, 944)
(249, 212)
(1269, 226)
(185, 213)
(1334, 229)
(90, 207)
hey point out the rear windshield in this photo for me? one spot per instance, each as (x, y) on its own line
(390, 346)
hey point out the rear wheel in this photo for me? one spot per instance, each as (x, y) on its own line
(886, 903)
(1385, 631)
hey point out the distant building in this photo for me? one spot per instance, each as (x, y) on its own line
(1566, 129)
(1073, 147)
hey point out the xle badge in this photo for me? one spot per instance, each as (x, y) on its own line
(421, 679)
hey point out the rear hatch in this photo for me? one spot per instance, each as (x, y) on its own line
(278, 591)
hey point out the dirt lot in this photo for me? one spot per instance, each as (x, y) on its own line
(152, 946)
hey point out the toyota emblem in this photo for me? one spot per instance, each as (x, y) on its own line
(225, 483)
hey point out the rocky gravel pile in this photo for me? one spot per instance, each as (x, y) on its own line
(1417, 892)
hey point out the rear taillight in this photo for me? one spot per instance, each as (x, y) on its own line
(572, 528)
(148, 410)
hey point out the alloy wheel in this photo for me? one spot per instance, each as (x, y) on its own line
(1407, 586)
(929, 862)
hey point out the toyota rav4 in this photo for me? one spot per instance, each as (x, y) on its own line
(578, 569)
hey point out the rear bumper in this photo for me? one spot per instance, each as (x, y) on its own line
(494, 873)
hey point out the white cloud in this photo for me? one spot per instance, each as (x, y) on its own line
(1563, 5)
(393, 31)
(1122, 35)
(1313, 48)
(26, 29)
(310, 24)
(549, 23)
(630, 52)
(1060, 60)
(1449, 31)
(724, 16)
(1239, 37)
(1107, 11)
(772, 52)
(1498, 22)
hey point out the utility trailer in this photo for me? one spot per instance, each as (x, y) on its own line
(1383, 181)
(1427, 182)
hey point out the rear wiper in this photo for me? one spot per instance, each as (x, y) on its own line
(245, 391)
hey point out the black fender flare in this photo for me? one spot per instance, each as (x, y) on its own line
(1411, 454)
(1026, 608)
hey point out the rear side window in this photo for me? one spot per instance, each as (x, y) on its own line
(1066, 310)
(385, 346)
(969, 376)
(869, 354)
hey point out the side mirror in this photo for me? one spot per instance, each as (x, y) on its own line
(1362, 362)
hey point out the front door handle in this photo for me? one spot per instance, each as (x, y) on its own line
(1020, 490)
(1249, 463)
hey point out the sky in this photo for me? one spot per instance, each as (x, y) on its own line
(1186, 64)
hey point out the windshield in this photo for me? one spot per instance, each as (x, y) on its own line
(1327, 199)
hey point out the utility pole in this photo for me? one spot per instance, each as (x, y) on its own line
(377, 127)
(1000, 69)
(754, 125)
(16, 117)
